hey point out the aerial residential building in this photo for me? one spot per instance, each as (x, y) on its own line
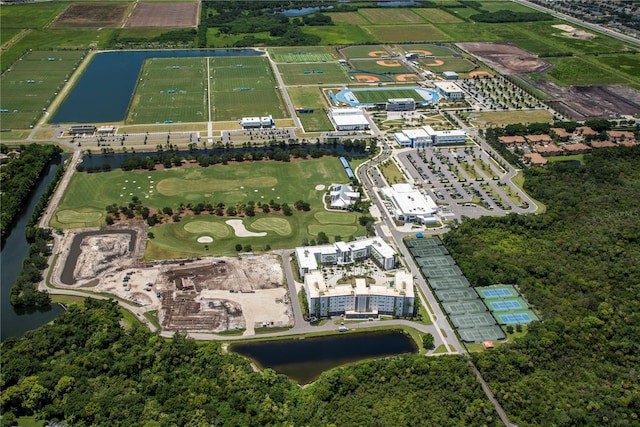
(362, 300)
(310, 258)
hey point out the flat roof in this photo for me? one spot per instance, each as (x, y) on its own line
(448, 86)
(410, 201)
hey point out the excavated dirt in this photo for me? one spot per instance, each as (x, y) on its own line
(206, 295)
(506, 58)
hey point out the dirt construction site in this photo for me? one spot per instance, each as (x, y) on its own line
(205, 295)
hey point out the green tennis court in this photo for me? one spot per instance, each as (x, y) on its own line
(519, 317)
(472, 320)
(464, 307)
(478, 335)
(497, 292)
(455, 294)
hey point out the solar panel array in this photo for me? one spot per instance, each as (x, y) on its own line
(468, 314)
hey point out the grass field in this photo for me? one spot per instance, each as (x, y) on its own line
(311, 97)
(33, 83)
(376, 96)
(305, 74)
(503, 118)
(170, 89)
(352, 52)
(386, 15)
(494, 6)
(87, 194)
(579, 71)
(302, 54)
(340, 34)
(348, 17)
(437, 16)
(403, 33)
(244, 86)
(438, 51)
(30, 15)
(459, 65)
(372, 66)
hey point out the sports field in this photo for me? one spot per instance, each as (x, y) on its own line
(369, 51)
(311, 98)
(376, 96)
(459, 65)
(244, 86)
(170, 90)
(32, 84)
(398, 33)
(313, 73)
(302, 54)
(430, 49)
(380, 66)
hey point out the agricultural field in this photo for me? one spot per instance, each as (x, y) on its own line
(340, 34)
(347, 18)
(311, 97)
(313, 73)
(437, 16)
(403, 33)
(244, 86)
(170, 90)
(92, 15)
(578, 71)
(494, 6)
(381, 66)
(302, 54)
(30, 15)
(32, 85)
(84, 201)
(387, 15)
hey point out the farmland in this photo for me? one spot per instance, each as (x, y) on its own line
(398, 33)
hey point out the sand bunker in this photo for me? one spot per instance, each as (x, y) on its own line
(205, 239)
(240, 229)
(320, 187)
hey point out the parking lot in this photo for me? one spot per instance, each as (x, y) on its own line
(464, 181)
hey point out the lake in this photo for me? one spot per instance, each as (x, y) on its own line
(303, 360)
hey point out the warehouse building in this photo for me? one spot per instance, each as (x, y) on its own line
(364, 301)
(348, 119)
(257, 122)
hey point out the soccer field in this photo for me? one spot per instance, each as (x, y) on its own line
(170, 90)
(376, 96)
(244, 86)
(313, 73)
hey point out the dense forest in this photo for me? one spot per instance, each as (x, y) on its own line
(85, 369)
(579, 266)
(18, 177)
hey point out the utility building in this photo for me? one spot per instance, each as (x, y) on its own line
(449, 90)
(257, 122)
(348, 119)
(401, 104)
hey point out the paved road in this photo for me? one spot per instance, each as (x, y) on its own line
(45, 220)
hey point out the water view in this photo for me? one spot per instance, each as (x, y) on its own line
(303, 360)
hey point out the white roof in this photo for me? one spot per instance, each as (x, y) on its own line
(402, 285)
(401, 138)
(410, 201)
(348, 116)
(306, 258)
(448, 86)
(416, 133)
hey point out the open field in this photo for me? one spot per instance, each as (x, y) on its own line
(92, 15)
(459, 65)
(437, 16)
(305, 74)
(348, 17)
(386, 15)
(170, 89)
(503, 118)
(340, 34)
(402, 33)
(583, 71)
(302, 54)
(311, 97)
(30, 15)
(167, 15)
(33, 83)
(88, 194)
(244, 86)
(494, 6)
(380, 66)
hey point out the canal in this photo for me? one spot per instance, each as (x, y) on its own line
(15, 322)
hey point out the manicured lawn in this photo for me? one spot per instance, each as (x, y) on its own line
(373, 96)
(391, 173)
(170, 89)
(437, 16)
(311, 97)
(312, 73)
(369, 51)
(302, 54)
(380, 66)
(502, 118)
(438, 51)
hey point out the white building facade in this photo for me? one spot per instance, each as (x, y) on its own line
(449, 90)
(348, 119)
(426, 136)
(410, 205)
(343, 196)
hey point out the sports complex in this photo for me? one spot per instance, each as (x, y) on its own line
(368, 97)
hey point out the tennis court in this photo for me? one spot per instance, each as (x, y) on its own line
(478, 335)
(506, 305)
(452, 270)
(456, 294)
(472, 320)
(497, 292)
(436, 261)
(449, 282)
(428, 252)
(462, 307)
(522, 317)
(431, 242)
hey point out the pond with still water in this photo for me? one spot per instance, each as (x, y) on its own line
(303, 360)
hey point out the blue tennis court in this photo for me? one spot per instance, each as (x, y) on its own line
(511, 318)
(495, 293)
(505, 305)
